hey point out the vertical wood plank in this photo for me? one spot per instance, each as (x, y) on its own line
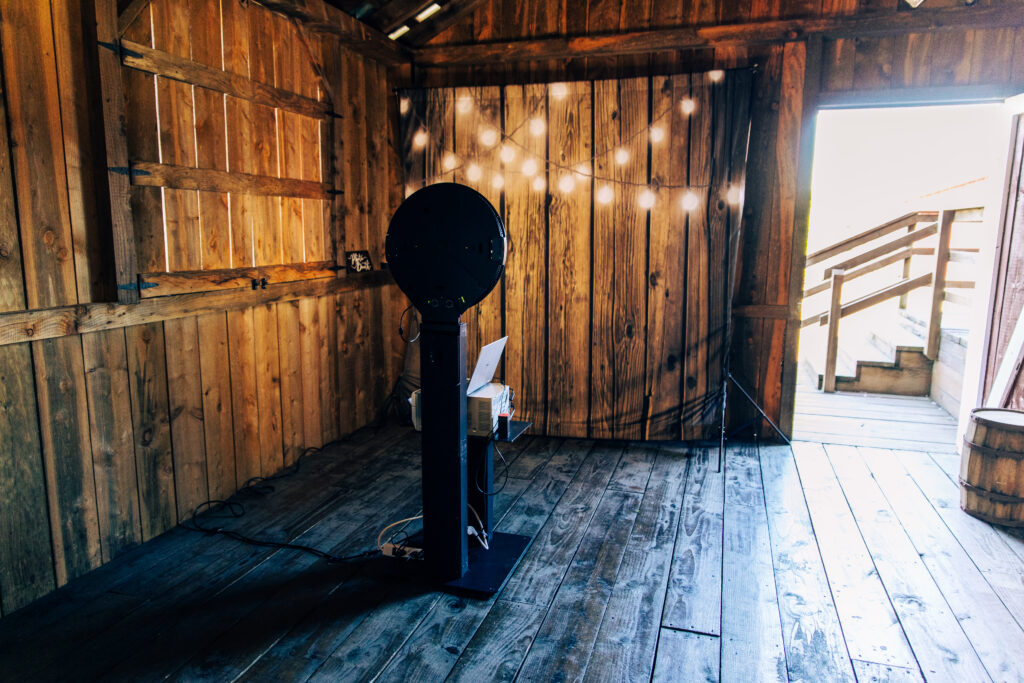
(291, 380)
(113, 441)
(244, 396)
(240, 131)
(211, 150)
(328, 413)
(185, 402)
(12, 282)
(268, 388)
(218, 428)
(147, 375)
(525, 282)
(288, 64)
(378, 218)
(266, 215)
(33, 111)
(175, 116)
(569, 264)
(67, 455)
(26, 559)
(667, 261)
(309, 344)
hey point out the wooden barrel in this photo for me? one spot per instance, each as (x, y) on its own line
(992, 466)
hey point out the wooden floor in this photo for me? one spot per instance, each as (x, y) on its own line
(908, 422)
(821, 563)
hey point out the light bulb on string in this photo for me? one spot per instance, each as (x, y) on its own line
(473, 173)
(646, 199)
(716, 75)
(450, 161)
(508, 153)
(657, 134)
(403, 106)
(537, 126)
(605, 195)
(559, 90)
(530, 167)
(566, 183)
(621, 156)
(687, 106)
(582, 172)
(734, 196)
(690, 200)
(488, 137)
(498, 181)
(419, 139)
(539, 184)
(464, 104)
(409, 189)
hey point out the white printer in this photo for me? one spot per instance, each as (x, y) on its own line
(485, 400)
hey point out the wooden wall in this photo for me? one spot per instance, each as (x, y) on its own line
(791, 81)
(607, 305)
(109, 437)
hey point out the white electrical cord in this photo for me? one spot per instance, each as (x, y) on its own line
(380, 546)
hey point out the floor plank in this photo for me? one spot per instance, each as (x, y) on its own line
(942, 649)
(686, 656)
(694, 600)
(870, 627)
(872, 672)
(752, 647)
(815, 647)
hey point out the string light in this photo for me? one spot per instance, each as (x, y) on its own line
(419, 139)
(734, 195)
(473, 173)
(450, 161)
(716, 75)
(688, 106)
(566, 184)
(464, 104)
(403, 106)
(530, 168)
(646, 199)
(605, 194)
(690, 200)
(508, 153)
(621, 156)
(582, 172)
(559, 90)
(539, 184)
(488, 137)
(537, 126)
(657, 134)
(498, 181)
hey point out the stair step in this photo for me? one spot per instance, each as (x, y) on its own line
(910, 374)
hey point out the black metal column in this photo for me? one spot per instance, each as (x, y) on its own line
(443, 371)
(481, 479)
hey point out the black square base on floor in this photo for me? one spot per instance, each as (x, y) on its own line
(488, 569)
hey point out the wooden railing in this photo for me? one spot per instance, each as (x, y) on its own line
(862, 254)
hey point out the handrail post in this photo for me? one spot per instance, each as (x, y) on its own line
(906, 267)
(939, 284)
(835, 312)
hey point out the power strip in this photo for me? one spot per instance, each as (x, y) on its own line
(400, 551)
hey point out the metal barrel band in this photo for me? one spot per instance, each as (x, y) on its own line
(997, 452)
(991, 495)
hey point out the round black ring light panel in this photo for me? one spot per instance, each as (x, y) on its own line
(446, 249)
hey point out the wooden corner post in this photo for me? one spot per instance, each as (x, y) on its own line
(939, 284)
(117, 151)
(835, 313)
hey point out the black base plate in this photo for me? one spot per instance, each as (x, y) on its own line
(488, 569)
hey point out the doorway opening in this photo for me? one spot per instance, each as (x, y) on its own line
(903, 204)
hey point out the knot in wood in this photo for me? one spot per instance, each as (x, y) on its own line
(62, 254)
(691, 382)
(147, 437)
(4, 252)
(49, 237)
(29, 331)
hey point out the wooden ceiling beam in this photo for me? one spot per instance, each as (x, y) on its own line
(450, 13)
(350, 32)
(875, 24)
(395, 13)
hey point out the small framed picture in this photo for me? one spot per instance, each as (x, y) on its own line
(358, 261)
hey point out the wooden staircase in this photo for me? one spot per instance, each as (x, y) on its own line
(912, 341)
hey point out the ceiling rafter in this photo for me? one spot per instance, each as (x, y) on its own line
(451, 12)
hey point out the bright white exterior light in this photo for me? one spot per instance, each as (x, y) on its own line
(428, 11)
(716, 75)
(398, 32)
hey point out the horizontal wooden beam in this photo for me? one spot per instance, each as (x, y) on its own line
(866, 302)
(350, 32)
(881, 250)
(867, 25)
(152, 174)
(164, 284)
(764, 312)
(871, 234)
(895, 257)
(25, 326)
(142, 58)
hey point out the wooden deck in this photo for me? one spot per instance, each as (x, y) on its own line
(908, 422)
(821, 563)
